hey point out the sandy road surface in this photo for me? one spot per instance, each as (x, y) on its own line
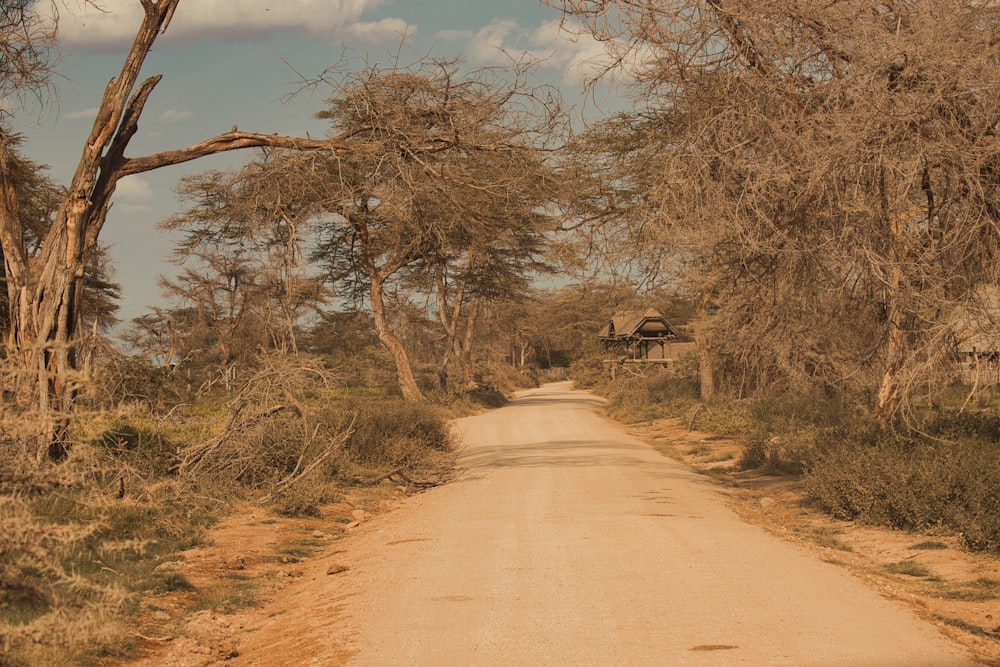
(567, 542)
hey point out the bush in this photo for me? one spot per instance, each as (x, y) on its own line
(72, 561)
(277, 430)
(43, 603)
(912, 484)
(504, 378)
(787, 455)
(652, 395)
(137, 443)
(134, 379)
(395, 433)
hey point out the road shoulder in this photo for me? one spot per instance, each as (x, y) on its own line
(956, 590)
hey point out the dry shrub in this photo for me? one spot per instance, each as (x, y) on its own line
(276, 433)
(87, 552)
(503, 378)
(650, 394)
(912, 483)
(133, 379)
(393, 433)
(44, 603)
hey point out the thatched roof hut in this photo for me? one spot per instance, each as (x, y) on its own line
(638, 335)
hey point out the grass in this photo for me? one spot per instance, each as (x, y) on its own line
(930, 545)
(296, 552)
(80, 543)
(240, 593)
(979, 590)
(910, 568)
(827, 537)
(171, 582)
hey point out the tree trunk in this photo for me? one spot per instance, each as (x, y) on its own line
(404, 374)
(706, 374)
(888, 391)
(465, 351)
(449, 318)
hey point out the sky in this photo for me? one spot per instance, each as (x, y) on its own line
(227, 62)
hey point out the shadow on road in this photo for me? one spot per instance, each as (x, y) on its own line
(572, 400)
(556, 454)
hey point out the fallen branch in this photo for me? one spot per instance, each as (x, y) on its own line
(190, 457)
(157, 640)
(400, 477)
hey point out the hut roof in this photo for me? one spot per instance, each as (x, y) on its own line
(637, 323)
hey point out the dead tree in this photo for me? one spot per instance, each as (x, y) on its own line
(45, 290)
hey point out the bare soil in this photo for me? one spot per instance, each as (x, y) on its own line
(566, 540)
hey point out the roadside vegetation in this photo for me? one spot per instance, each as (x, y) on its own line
(83, 542)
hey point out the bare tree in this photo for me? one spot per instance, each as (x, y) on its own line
(457, 163)
(243, 244)
(44, 290)
(825, 171)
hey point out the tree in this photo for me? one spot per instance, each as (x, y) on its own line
(243, 250)
(826, 172)
(456, 162)
(26, 52)
(44, 290)
(40, 198)
(500, 239)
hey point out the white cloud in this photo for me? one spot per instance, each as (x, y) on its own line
(86, 27)
(134, 189)
(454, 35)
(576, 54)
(176, 115)
(381, 32)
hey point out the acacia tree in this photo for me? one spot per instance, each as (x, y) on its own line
(44, 290)
(456, 163)
(826, 171)
(242, 247)
(499, 240)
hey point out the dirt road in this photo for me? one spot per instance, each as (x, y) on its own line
(567, 542)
